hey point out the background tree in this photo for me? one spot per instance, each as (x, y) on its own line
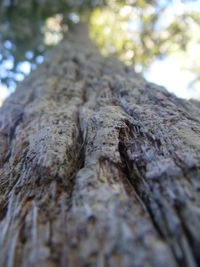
(137, 32)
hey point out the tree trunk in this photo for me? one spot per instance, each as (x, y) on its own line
(98, 167)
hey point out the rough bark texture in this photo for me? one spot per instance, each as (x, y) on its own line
(98, 167)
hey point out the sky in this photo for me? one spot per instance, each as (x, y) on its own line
(167, 72)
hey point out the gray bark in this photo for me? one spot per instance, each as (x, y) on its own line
(97, 167)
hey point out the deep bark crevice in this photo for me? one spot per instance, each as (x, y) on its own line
(154, 208)
(78, 161)
(136, 181)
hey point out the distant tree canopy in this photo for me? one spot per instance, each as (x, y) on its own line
(136, 31)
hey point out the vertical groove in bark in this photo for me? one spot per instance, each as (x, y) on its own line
(102, 169)
(155, 172)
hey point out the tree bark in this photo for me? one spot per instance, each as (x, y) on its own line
(98, 167)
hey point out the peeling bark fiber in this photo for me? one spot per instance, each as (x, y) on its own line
(97, 167)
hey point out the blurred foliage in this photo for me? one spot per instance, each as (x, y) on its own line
(136, 31)
(27, 30)
(139, 31)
